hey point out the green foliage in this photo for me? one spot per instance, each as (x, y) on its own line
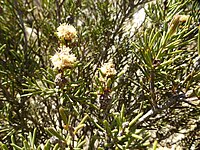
(155, 85)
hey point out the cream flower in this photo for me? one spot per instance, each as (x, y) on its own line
(66, 32)
(184, 18)
(108, 69)
(63, 59)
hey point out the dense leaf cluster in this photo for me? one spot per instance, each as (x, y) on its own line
(153, 97)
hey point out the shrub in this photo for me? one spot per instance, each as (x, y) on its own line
(83, 75)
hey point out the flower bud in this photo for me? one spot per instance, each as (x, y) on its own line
(108, 69)
(174, 24)
(183, 18)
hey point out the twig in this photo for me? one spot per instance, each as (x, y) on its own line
(152, 112)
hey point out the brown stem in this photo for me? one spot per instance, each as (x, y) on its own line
(152, 90)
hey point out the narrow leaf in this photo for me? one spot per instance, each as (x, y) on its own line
(199, 41)
(84, 119)
(53, 132)
(15, 146)
(25, 143)
(47, 146)
(56, 147)
(107, 126)
(81, 144)
(3, 146)
(122, 113)
(135, 120)
(155, 144)
(33, 138)
(136, 136)
(63, 115)
(78, 128)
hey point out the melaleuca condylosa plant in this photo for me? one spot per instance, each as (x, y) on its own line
(87, 75)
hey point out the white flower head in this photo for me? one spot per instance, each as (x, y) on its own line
(66, 32)
(63, 59)
(108, 69)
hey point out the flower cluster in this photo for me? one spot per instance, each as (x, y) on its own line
(107, 72)
(108, 69)
(63, 59)
(66, 32)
